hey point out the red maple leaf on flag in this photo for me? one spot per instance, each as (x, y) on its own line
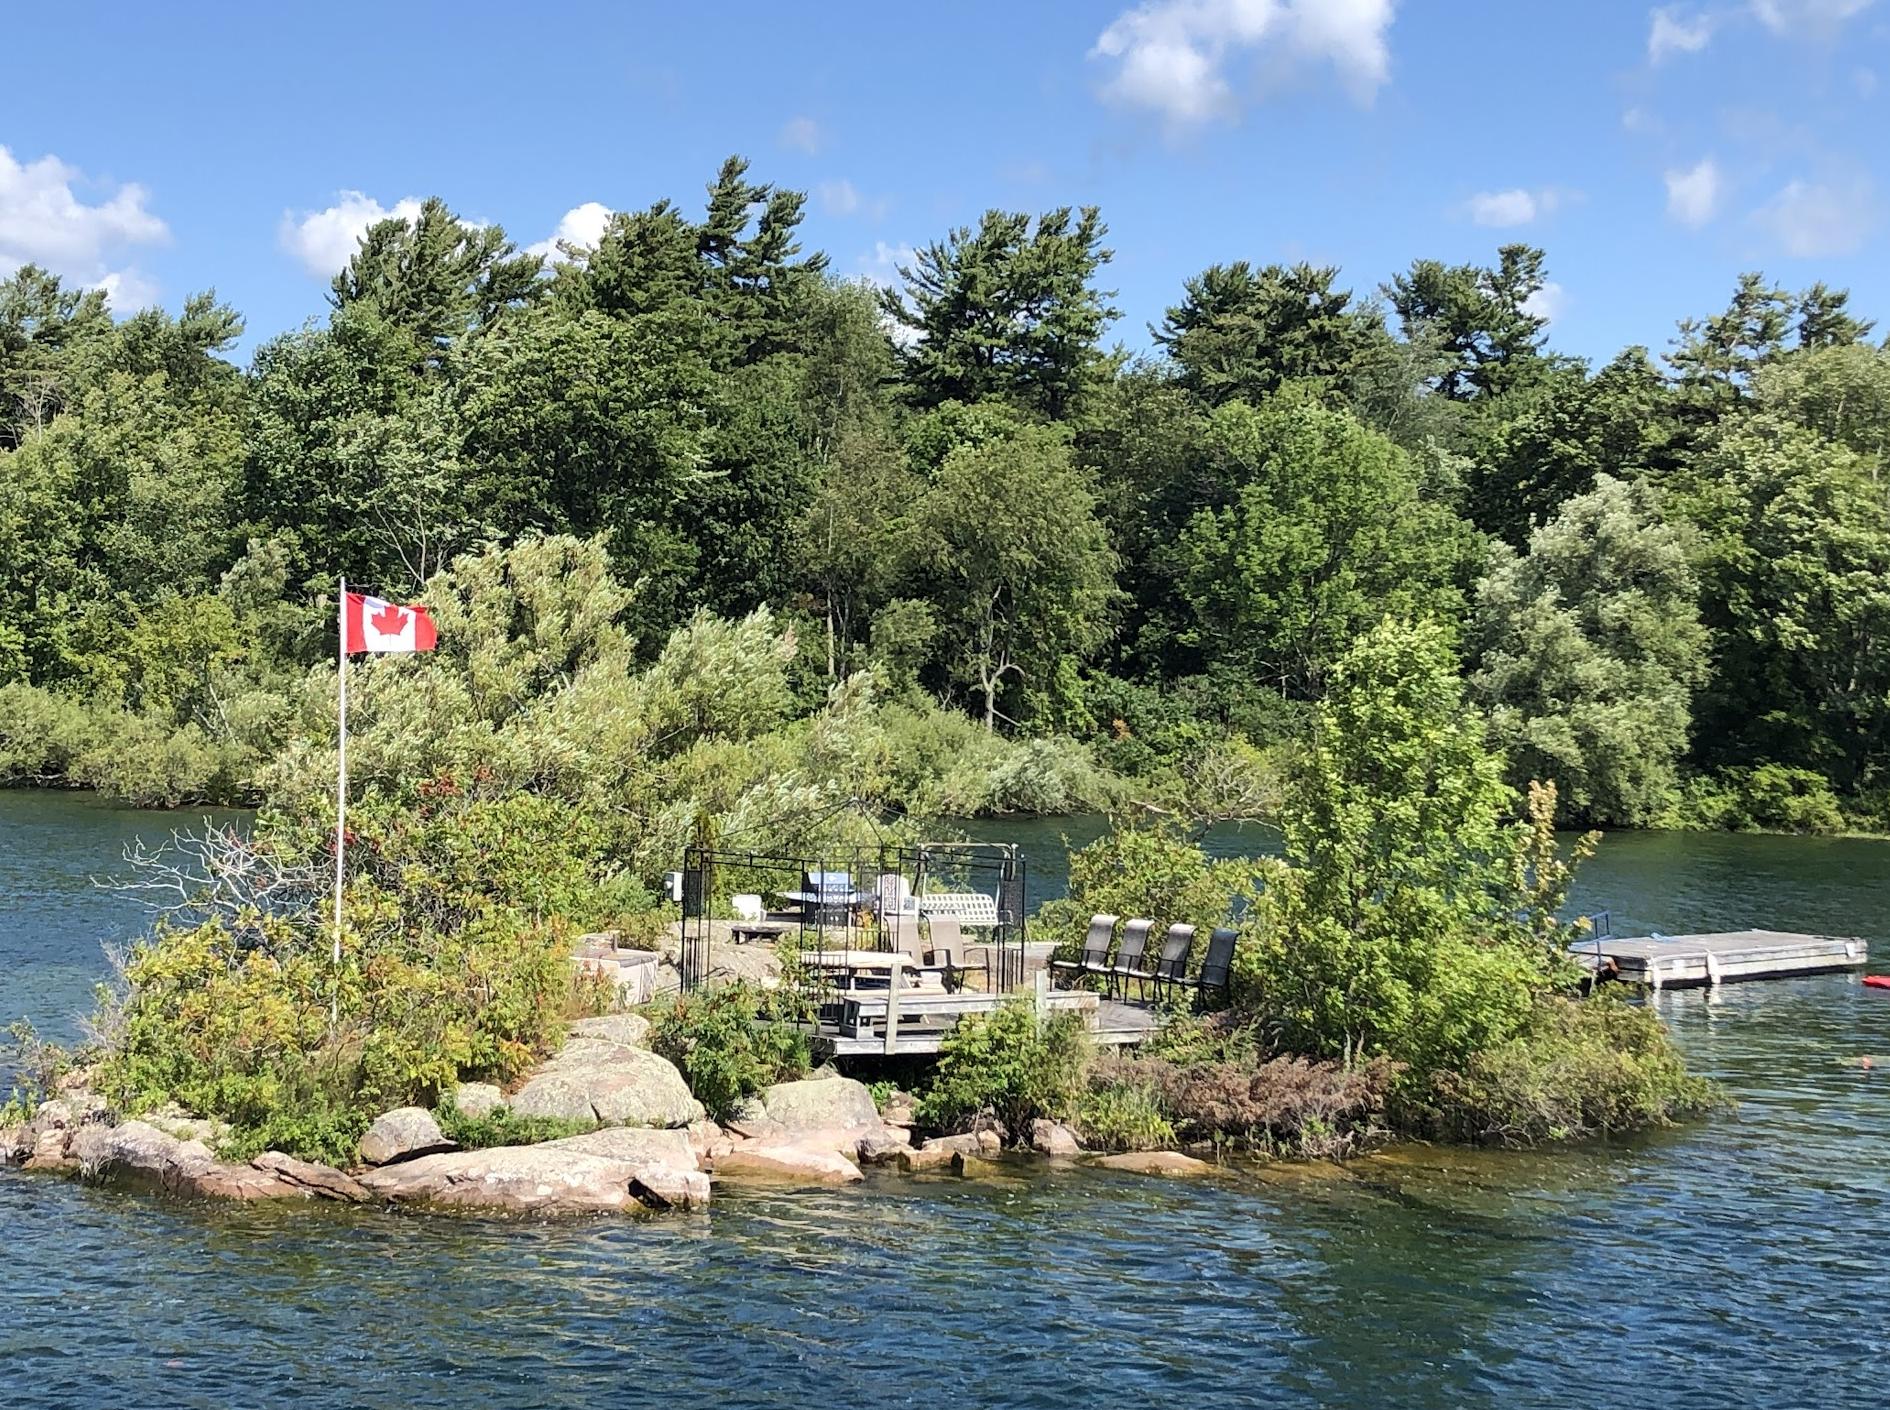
(389, 620)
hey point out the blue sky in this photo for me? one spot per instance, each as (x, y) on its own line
(1655, 152)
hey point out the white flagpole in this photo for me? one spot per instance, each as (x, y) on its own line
(341, 776)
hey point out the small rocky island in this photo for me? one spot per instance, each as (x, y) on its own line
(653, 1148)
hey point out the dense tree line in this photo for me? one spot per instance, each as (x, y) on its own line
(1666, 578)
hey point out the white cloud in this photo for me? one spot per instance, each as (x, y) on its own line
(881, 267)
(127, 290)
(1814, 17)
(1548, 303)
(800, 134)
(1814, 220)
(839, 197)
(581, 226)
(880, 270)
(325, 240)
(44, 220)
(1171, 55)
(1671, 31)
(1693, 193)
(843, 198)
(1514, 207)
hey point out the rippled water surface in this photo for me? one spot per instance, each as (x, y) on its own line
(1736, 1262)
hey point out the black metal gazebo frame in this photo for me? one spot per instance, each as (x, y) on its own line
(831, 917)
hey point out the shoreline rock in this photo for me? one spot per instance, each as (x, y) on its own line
(537, 1180)
(402, 1134)
(611, 1083)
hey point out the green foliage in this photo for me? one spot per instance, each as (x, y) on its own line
(1590, 649)
(1794, 567)
(1022, 569)
(1153, 868)
(728, 1043)
(1409, 922)
(503, 1127)
(31, 1067)
(1478, 319)
(1006, 310)
(1327, 532)
(450, 969)
(1241, 334)
(1579, 1068)
(1123, 1115)
(1009, 1066)
(1768, 798)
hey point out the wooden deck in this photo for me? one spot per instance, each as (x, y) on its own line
(1683, 961)
(885, 1023)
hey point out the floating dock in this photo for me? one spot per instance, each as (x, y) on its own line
(1684, 961)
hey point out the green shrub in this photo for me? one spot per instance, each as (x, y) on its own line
(1153, 868)
(447, 972)
(31, 1066)
(504, 1127)
(728, 1044)
(1768, 798)
(1007, 1066)
(327, 1133)
(1581, 1068)
(1123, 1116)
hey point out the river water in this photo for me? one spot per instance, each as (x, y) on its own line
(1734, 1262)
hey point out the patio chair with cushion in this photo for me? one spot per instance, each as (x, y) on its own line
(1094, 958)
(948, 951)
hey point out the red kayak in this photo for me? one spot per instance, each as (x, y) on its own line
(1877, 981)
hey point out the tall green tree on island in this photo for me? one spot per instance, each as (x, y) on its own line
(1007, 310)
(1239, 334)
(1591, 647)
(1327, 531)
(1018, 566)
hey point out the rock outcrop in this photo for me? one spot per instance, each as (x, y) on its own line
(537, 1180)
(137, 1153)
(971, 1143)
(1053, 1138)
(319, 1181)
(882, 1145)
(613, 1083)
(787, 1162)
(640, 1145)
(1170, 1163)
(476, 1098)
(402, 1134)
(820, 1104)
(632, 1030)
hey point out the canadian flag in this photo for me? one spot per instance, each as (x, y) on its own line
(372, 624)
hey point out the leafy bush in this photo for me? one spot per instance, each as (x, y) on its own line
(728, 1044)
(447, 971)
(1581, 1068)
(31, 1067)
(1007, 1066)
(504, 1127)
(1768, 798)
(1149, 867)
(1123, 1116)
(1413, 920)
